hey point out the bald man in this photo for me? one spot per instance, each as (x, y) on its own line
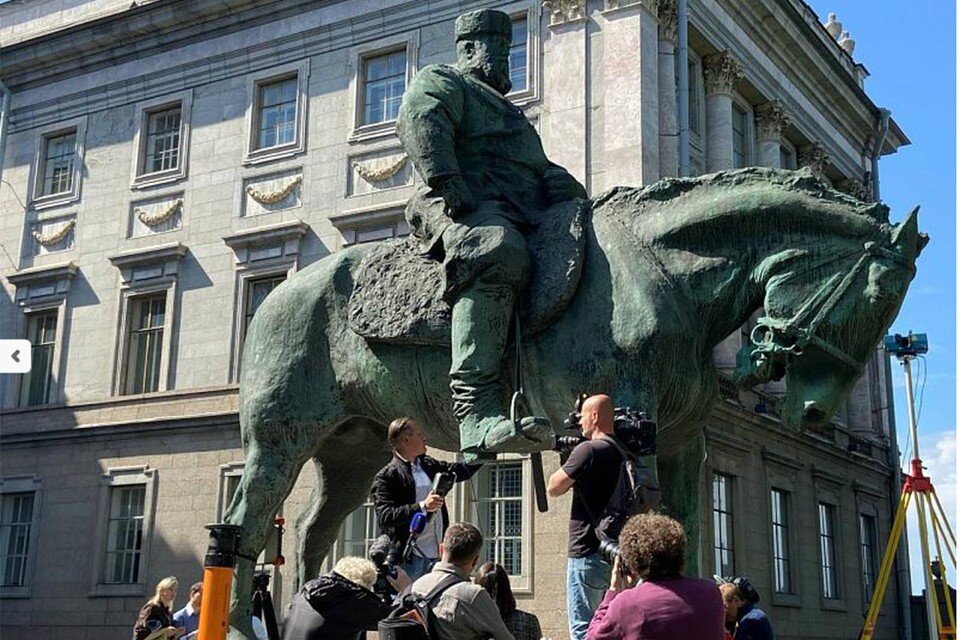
(592, 471)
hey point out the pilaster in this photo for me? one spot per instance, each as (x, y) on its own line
(667, 88)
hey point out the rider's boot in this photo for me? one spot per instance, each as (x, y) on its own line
(480, 324)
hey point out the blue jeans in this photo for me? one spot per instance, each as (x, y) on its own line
(418, 566)
(588, 579)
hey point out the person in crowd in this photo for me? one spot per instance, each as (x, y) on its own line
(523, 625)
(744, 619)
(402, 488)
(340, 605)
(462, 610)
(592, 471)
(666, 605)
(155, 621)
(189, 616)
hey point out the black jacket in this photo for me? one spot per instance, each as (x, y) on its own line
(333, 608)
(395, 494)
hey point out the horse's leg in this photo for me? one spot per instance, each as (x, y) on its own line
(345, 464)
(267, 480)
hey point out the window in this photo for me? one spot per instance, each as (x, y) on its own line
(16, 523)
(695, 81)
(739, 137)
(231, 482)
(384, 80)
(145, 344)
(868, 555)
(500, 510)
(359, 531)
(518, 55)
(257, 291)
(787, 159)
(42, 334)
(124, 534)
(163, 140)
(276, 113)
(828, 552)
(781, 540)
(58, 163)
(723, 524)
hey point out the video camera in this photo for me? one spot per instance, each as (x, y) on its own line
(386, 557)
(632, 429)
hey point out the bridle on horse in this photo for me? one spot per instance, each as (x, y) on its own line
(778, 333)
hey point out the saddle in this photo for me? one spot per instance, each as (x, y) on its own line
(398, 291)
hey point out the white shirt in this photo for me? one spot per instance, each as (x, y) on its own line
(429, 541)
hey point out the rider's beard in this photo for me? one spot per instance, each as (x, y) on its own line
(495, 74)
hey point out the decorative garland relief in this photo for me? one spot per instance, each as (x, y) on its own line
(377, 171)
(158, 217)
(273, 197)
(47, 239)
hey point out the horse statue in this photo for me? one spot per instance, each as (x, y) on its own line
(668, 272)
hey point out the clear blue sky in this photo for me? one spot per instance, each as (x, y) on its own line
(910, 50)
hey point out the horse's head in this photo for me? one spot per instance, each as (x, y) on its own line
(827, 307)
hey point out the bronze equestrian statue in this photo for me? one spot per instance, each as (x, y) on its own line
(626, 293)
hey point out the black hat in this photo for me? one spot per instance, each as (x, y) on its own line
(747, 591)
(475, 23)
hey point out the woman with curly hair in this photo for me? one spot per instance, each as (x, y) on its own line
(522, 625)
(665, 605)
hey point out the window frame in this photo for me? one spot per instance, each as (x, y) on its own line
(25, 484)
(731, 488)
(38, 199)
(143, 179)
(257, 155)
(532, 13)
(868, 510)
(785, 543)
(119, 477)
(27, 378)
(837, 551)
(749, 129)
(358, 56)
(283, 238)
(521, 584)
(697, 95)
(781, 474)
(133, 305)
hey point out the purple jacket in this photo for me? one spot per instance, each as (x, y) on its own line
(666, 609)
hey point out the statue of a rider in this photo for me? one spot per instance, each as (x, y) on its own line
(487, 179)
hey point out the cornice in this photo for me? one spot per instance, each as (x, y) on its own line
(66, 270)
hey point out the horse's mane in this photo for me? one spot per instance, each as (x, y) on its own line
(667, 193)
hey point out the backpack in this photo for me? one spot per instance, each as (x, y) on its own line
(637, 491)
(410, 620)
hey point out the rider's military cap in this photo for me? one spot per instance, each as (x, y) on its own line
(485, 21)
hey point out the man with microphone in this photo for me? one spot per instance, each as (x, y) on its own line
(403, 488)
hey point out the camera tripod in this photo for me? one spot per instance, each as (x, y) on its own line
(263, 605)
(918, 488)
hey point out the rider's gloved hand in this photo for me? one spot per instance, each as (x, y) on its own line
(561, 186)
(457, 197)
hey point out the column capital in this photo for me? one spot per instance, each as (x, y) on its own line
(564, 11)
(812, 155)
(855, 188)
(771, 119)
(667, 16)
(720, 72)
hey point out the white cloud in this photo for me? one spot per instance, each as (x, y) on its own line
(938, 450)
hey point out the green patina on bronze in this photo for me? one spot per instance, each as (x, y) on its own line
(663, 274)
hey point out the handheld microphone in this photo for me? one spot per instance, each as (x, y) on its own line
(417, 524)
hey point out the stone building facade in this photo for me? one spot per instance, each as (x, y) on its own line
(165, 164)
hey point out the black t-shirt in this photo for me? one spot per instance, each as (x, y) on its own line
(594, 467)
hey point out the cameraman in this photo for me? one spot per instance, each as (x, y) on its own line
(402, 488)
(339, 605)
(666, 604)
(592, 469)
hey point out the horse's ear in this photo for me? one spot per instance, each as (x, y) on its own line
(907, 238)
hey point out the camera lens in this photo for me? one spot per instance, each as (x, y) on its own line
(609, 550)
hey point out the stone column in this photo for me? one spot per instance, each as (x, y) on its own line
(771, 119)
(630, 120)
(667, 88)
(564, 118)
(720, 72)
